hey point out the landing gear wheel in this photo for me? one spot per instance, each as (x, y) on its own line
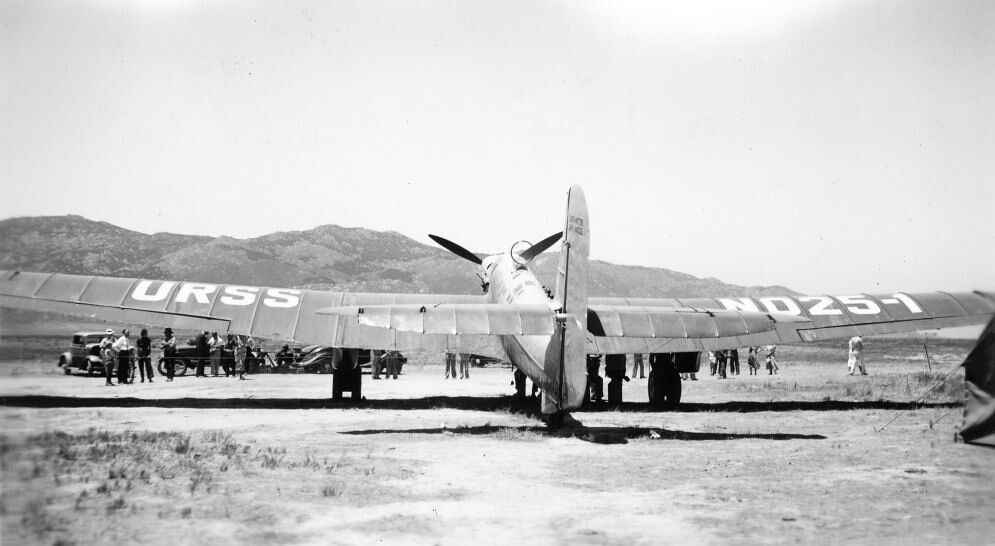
(555, 420)
(664, 387)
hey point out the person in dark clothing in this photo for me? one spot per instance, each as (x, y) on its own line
(751, 360)
(393, 360)
(284, 357)
(519, 383)
(203, 352)
(721, 358)
(734, 362)
(376, 362)
(595, 384)
(169, 353)
(144, 347)
(615, 370)
(228, 360)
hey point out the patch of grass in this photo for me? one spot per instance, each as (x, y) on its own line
(331, 491)
(519, 434)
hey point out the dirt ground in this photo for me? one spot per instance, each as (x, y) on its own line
(810, 455)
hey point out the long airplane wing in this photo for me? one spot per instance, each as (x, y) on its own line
(605, 321)
(262, 312)
(828, 317)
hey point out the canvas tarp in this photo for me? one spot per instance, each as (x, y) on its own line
(979, 409)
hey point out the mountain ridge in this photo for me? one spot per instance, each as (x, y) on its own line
(327, 257)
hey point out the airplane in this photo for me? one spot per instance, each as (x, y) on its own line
(546, 334)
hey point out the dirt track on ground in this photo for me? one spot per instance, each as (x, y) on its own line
(761, 459)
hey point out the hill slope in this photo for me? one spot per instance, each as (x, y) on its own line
(326, 257)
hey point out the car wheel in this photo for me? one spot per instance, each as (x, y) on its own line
(89, 368)
(180, 368)
(64, 365)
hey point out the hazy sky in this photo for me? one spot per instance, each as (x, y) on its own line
(828, 146)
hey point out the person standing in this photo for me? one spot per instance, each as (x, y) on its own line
(376, 361)
(771, 360)
(144, 347)
(637, 364)
(242, 348)
(450, 365)
(713, 362)
(107, 355)
(228, 361)
(169, 353)
(721, 358)
(856, 358)
(214, 348)
(751, 360)
(464, 366)
(203, 352)
(393, 359)
(734, 362)
(123, 349)
(595, 384)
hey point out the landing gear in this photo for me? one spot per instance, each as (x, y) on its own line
(664, 384)
(555, 420)
(348, 380)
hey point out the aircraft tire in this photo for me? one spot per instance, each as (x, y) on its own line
(555, 420)
(357, 384)
(337, 380)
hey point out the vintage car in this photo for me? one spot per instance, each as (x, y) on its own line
(84, 354)
(319, 359)
(186, 359)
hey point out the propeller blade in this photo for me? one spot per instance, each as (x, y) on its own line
(541, 246)
(456, 249)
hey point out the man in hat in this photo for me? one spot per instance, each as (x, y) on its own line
(107, 354)
(168, 353)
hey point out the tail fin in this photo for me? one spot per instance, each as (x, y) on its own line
(568, 346)
(979, 409)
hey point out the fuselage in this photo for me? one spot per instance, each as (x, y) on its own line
(513, 283)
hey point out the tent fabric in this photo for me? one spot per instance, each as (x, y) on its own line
(979, 408)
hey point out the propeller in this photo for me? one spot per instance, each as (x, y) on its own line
(541, 246)
(456, 249)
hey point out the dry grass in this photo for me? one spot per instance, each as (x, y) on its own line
(54, 481)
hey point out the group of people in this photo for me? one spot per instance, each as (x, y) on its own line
(464, 365)
(117, 354)
(386, 362)
(120, 353)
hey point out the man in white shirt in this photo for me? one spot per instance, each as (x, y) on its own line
(856, 359)
(123, 348)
